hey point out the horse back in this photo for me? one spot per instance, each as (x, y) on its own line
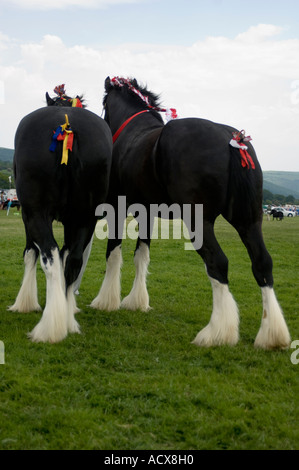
(194, 162)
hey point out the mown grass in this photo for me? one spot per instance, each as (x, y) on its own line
(133, 380)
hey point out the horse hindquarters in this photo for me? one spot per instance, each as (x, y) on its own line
(49, 190)
(241, 206)
(196, 172)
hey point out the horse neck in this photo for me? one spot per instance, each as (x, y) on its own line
(121, 110)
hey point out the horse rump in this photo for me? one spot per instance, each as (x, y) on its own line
(244, 191)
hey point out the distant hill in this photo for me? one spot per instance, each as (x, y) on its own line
(282, 182)
(6, 155)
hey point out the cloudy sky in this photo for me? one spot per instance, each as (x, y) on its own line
(230, 61)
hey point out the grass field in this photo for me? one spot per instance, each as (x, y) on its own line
(133, 380)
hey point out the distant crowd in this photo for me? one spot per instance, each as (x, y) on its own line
(8, 197)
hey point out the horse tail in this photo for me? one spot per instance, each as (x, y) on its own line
(245, 189)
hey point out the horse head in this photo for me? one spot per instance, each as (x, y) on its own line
(62, 99)
(128, 97)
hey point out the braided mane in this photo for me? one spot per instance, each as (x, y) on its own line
(153, 98)
(130, 84)
(142, 94)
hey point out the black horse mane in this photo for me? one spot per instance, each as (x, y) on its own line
(152, 97)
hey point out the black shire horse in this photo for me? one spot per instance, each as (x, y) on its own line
(278, 215)
(186, 161)
(65, 182)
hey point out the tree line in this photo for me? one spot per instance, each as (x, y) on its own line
(278, 199)
(6, 171)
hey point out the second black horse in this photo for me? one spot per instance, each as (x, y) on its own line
(193, 162)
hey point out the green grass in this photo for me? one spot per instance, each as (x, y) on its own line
(133, 380)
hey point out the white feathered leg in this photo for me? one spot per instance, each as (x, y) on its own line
(138, 297)
(223, 327)
(273, 333)
(108, 297)
(86, 255)
(73, 325)
(53, 325)
(27, 300)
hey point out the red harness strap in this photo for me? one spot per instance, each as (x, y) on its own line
(119, 131)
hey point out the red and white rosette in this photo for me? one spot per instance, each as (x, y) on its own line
(237, 142)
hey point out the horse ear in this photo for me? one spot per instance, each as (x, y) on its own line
(135, 83)
(107, 84)
(50, 102)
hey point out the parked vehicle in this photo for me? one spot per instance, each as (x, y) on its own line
(286, 212)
